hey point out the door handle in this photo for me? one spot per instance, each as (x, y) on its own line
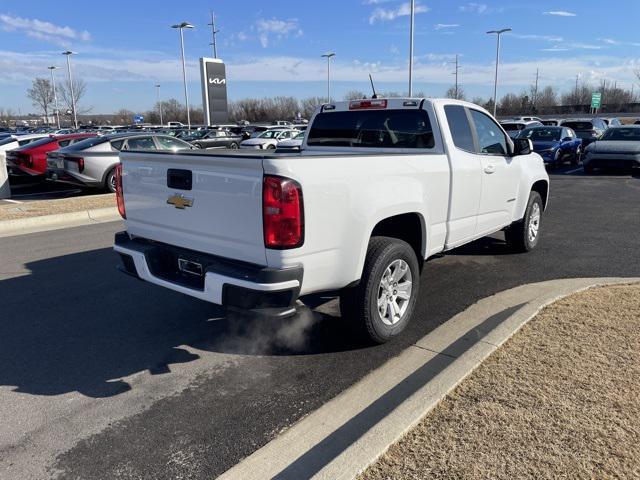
(491, 168)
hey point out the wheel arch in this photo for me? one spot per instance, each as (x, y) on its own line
(409, 227)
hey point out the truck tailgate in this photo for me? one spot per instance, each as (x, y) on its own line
(221, 212)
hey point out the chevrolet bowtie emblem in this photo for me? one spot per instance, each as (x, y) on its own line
(180, 201)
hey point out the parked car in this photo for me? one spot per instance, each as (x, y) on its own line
(524, 119)
(92, 163)
(30, 160)
(11, 142)
(555, 145)
(550, 122)
(219, 139)
(269, 139)
(191, 135)
(293, 144)
(588, 129)
(619, 147)
(612, 121)
(380, 186)
(513, 127)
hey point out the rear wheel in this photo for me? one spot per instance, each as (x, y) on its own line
(233, 146)
(575, 158)
(382, 304)
(271, 147)
(110, 181)
(524, 235)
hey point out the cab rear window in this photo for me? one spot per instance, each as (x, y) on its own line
(372, 129)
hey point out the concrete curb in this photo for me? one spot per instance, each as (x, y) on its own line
(22, 226)
(344, 436)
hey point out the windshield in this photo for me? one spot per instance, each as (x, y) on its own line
(372, 129)
(270, 134)
(578, 125)
(541, 134)
(509, 127)
(38, 143)
(5, 141)
(625, 134)
(299, 136)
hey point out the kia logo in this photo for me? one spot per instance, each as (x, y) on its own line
(218, 81)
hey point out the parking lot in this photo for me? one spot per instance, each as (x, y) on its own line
(105, 377)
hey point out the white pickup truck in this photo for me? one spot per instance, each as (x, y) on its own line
(379, 186)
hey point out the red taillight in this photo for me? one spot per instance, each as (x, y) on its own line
(80, 164)
(362, 104)
(282, 213)
(119, 193)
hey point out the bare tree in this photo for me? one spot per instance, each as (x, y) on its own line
(354, 95)
(41, 95)
(456, 93)
(6, 115)
(308, 105)
(79, 89)
(546, 99)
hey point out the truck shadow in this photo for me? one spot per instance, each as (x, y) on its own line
(75, 323)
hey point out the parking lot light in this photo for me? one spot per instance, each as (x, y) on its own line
(182, 26)
(495, 83)
(159, 104)
(68, 54)
(55, 95)
(329, 56)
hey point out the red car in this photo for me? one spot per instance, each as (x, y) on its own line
(31, 159)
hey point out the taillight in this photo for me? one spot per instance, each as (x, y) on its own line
(282, 213)
(119, 193)
(80, 164)
(363, 104)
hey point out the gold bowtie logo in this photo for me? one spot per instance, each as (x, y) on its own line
(180, 201)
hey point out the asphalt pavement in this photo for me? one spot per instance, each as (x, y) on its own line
(103, 376)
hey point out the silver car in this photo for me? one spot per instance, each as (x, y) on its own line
(92, 162)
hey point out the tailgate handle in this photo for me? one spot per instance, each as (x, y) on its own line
(179, 179)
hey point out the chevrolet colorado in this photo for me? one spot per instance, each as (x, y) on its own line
(379, 186)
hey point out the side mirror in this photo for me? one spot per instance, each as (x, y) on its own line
(522, 146)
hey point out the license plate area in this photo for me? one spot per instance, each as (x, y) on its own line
(190, 267)
(176, 267)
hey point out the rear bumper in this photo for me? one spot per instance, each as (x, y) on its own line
(223, 281)
(611, 160)
(64, 176)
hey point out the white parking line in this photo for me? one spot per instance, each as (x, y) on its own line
(12, 201)
(573, 171)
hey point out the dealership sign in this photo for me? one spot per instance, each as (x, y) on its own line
(596, 99)
(214, 91)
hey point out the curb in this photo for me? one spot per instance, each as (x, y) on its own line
(350, 432)
(21, 226)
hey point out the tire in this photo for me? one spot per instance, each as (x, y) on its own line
(271, 147)
(524, 235)
(557, 158)
(575, 158)
(110, 181)
(198, 145)
(363, 304)
(233, 146)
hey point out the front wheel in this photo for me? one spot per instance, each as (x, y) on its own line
(233, 146)
(524, 235)
(382, 304)
(271, 147)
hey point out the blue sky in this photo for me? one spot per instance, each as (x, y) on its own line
(273, 48)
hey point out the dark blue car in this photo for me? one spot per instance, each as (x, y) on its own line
(555, 145)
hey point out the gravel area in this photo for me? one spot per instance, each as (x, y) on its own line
(558, 400)
(13, 211)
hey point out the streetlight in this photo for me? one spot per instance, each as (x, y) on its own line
(495, 84)
(180, 27)
(412, 16)
(68, 54)
(328, 56)
(159, 104)
(55, 95)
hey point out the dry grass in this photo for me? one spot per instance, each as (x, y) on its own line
(561, 399)
(51, 207)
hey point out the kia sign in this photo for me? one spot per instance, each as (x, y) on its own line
(214, 91)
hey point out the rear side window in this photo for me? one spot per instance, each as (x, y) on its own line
(117, 145)
(372, 129)
(142, 143)
(64, 143)
(459, 126)
(169, 143)
(491, 140)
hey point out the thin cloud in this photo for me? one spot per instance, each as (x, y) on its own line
(546, 38)
(560, 13)
(472, 7)
(441, 26)
(384, 15)
(41, 30)
(267, 29)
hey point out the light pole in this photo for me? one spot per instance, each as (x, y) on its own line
(68, 54)
(180, 27)
(328, 56)
(412, 16)
(159, 104)
(55, 95)
(495, 83)
(213, 34)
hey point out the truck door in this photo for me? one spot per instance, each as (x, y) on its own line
(500, 174)
(465, 176)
